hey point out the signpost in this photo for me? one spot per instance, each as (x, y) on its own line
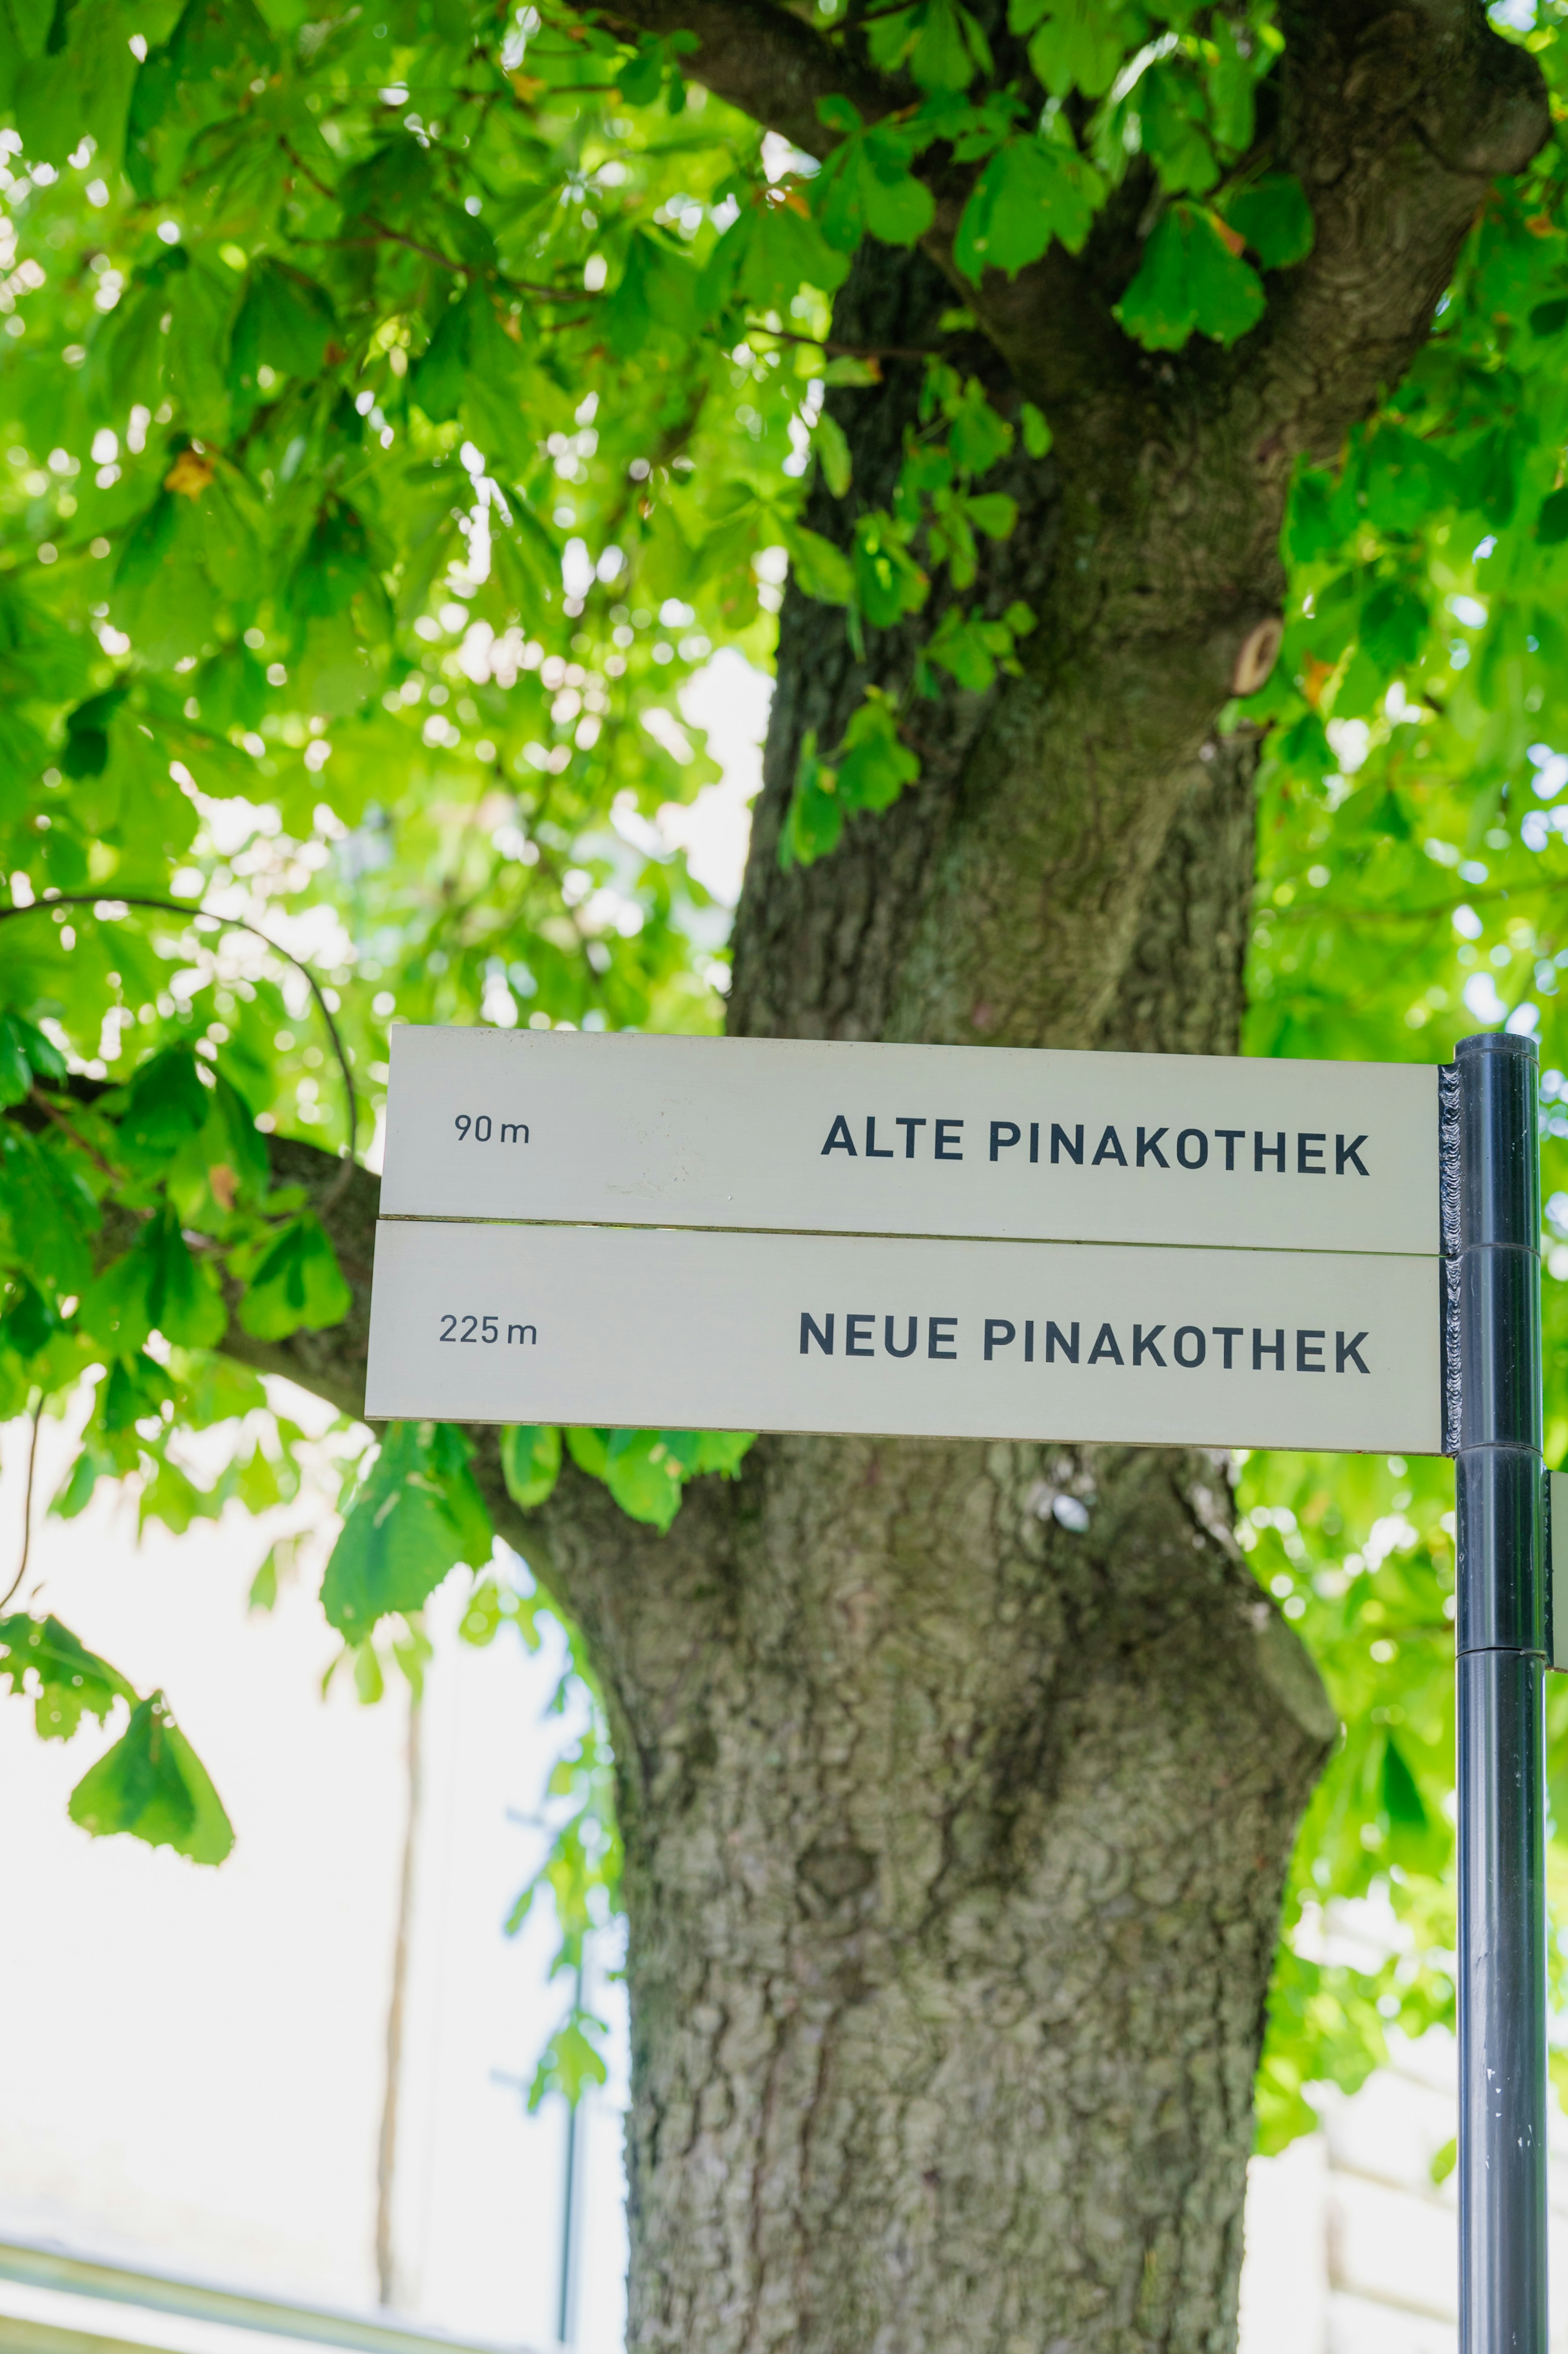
(763, 1234)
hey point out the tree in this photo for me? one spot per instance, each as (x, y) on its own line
(401, 406)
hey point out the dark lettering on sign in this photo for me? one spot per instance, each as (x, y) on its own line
(1189, 1344)
(480, 1328)
(479, 1127)
(1192, 1145)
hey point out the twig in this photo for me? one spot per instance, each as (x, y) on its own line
(26, 1510)
(53, 1111)
(848, 351)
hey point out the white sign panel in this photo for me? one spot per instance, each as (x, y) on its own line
(622, 1329)
(802, 1136)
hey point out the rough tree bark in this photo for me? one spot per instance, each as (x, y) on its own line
(956, 1827)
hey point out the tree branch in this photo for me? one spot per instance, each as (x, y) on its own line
(345, 1198)
(1395, 118)
(765, 61)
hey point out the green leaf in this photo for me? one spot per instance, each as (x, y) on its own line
(1036, 433)
(873, 766)
(1551, 527)
(1173, 118)
(643, 1474)
(833, 453)
(589, 1450)
(285, 322)
(166, 1102)
(816, 815)
(1031, 191)
(1189, 278)
(416, 1516)
(722, 1451)
(818, 568)
(1079, 44)
(530, 1462)
(1394, 622)
(1274, 217)
(66, 1680)
(993, 513)
(1229, 81)
(887, 582)
(158, 1285)
(866, 184)
(570, 2062)
(152, 1785)
(297, 1284)
(941, 42)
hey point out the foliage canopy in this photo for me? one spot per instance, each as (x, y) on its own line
(396, 411)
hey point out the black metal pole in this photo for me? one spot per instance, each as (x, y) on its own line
(1491, 1221)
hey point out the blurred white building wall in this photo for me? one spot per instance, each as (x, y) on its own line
(196, 2060)
(1351, 2247)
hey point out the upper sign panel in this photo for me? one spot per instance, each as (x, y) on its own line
(797, 1135)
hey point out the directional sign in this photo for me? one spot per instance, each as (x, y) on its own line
(781, 1134)
(617, 1328)
(977, 1242)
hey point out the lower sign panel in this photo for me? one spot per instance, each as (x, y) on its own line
(638, 1327)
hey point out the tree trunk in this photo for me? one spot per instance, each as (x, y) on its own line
(959, 1782)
